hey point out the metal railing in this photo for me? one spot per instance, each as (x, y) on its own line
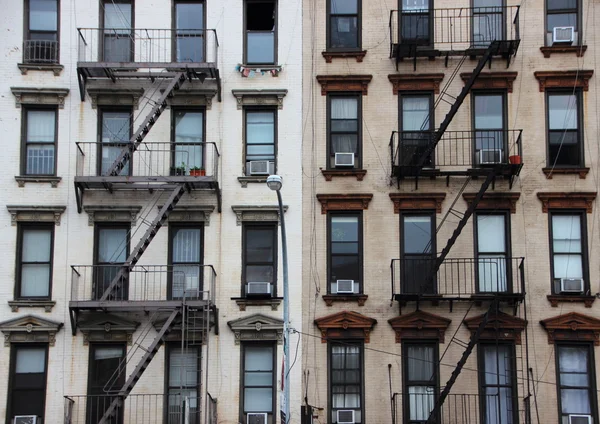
(134, 409)
(144, 282)
(151, 159)
(454, 29)
(465, 149)
(458, 277)
(40, 51)
(148, 46)
(212, 410)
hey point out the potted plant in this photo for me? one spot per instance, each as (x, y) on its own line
(514, 159)
(178, 170)
(195, 171)
(202, 171)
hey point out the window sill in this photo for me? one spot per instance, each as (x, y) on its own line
(46, 304)
(243, 302)
(250, 71)
(359, 298)
(22, 179)
(578, 50)
(359, 55)
(53, 67)
(330, 173)
(555, 299)
(252, 180)
(582, 172)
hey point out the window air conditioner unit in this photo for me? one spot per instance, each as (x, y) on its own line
(580, 419)
(258, 287)
(345, 416)
(256, 418)
(261, 167)
(563, 35)
(344, 160)
(25, 419)
(571, 285)
(490, 156)
(345, 286)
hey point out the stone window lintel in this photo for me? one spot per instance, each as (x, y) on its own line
(254, 213)
(416, 82)
(566, 200)
(344, 83)
(98, 213)
(272, 97)
(27, 213)
(40, 96)
(115, 97)
(344, 202)
(564, 79)
(417, 201)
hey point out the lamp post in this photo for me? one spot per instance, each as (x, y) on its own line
(275, 182)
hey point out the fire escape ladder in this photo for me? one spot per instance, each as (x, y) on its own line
(117, 402)
(137, 138)
(460, 364)
(146, 239)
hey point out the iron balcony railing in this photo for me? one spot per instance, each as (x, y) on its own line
(461, 149)
(457, 278)
(151, 159)
(40, 51)
(144, 283)
(453, 29)
(148, 46)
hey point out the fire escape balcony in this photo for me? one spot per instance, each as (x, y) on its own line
(487, 277)
(463, 31)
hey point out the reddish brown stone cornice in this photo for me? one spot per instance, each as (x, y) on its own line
(330, 173)
(416, 82)
(564, 79)
(499, 326)
(344, 202)
(360, 299)
(419, 325)
(336, 83)
(572, 327)
(582, 172)
(555, 299)
(578, 50)
(495, 200)
(412, 201)
(345, 324)
(358, 55)
(564, 200)
(492, 80)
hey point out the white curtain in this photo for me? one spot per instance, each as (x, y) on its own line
(183, 367)
(574, 372)
(491, 253)
(415, 113)
(415, 5)
(498, 372)
(30, 361)
(108, 353)
(345, 364)
(421, 401)
(567, 246)
(41, 126)
(344, 118)
(35, 278)
(562, 109)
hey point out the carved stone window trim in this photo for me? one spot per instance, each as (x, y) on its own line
(190, 214)
(416, 201)
(419, 325)
(416, 82)
(564, 79)
(40, 96)
(358, 55)
(97, 213)
(257, 327)
(565, 200)
(30, 329)
(244, 302)
(360, 299)
(582, 172)
(107, 328)
(244, 181)
(572, 327)
(506, 201)
(345, 325)
(500, 326)
(555, 299)
(259, 98)
(344, 83)
(492, 80)
(23, 179)
(26, 67)
(193, 97)
(578, 50)
(46, 304)
(115, 97)
(330, 173)
(344, 202)
(26, 213)
(254, 213)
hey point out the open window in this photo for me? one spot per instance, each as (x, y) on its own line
(260, 20)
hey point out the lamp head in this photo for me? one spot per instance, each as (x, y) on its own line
(274, 182)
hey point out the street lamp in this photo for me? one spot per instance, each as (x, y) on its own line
(275, 183)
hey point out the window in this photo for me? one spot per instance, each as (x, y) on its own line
(417, 252)
(27, 388)
(260, 260)
(569, 253)
(261, 32)
(183, 377)
(489, 125)
(488, 22)
(115, 132)
(492, 252)
(117, 24)
(345, 131)
(346, 380)
(562, 13)
(185, 261)
(110, 252)
(498, 391)
(190, 33)
(39, 141)
(344, 24)
(34, 261)
(415, 128)
(258, 384)
(345, 253)
(106, 374)
(576, 382)
(420, 380)
(565, 141)
(188, 134)
(261, 135)
(41, 31)
(416, 22)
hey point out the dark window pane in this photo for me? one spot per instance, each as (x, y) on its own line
(259, 245)
(260, 37)
(345, 268)
(341, 248)
(112, 245)
(561, 4)
(344, 125)
(415, 26)
(344, 228)
(260, 16)
(43, 15)
(562, 20)
(189, 15)
(344, 7)
(564, 148)
(417, 234)
(259, 273)
(344, 32)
